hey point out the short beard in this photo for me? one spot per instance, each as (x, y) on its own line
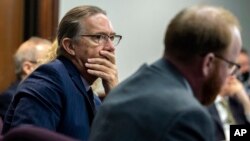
(211, 88)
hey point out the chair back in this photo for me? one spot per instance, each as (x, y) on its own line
(31, 133)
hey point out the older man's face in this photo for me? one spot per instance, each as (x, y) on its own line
(90, 46)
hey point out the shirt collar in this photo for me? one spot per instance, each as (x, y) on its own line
(85, 83)
(220, 98)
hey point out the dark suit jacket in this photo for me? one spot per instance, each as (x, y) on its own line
(238, 114)
(6, 97)
(154, 104)
(53, 97)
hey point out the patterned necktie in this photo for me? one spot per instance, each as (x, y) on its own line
(230, 119)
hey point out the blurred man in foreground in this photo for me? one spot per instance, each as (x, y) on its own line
(163, 101)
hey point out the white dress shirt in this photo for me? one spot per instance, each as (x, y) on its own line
(223, 116)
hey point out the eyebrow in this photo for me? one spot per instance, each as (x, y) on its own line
(104, 33)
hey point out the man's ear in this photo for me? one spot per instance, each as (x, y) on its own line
(68, 46)
(27, 67)
(208, 64)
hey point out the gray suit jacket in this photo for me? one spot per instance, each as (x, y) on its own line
(154, 104)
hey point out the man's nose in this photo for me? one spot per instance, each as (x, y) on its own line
(109, 45)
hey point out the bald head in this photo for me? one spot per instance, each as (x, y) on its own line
(31, 51)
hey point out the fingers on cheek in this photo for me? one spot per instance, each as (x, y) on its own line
(92, 66)
(93, 72)
(107, 54)
(97, 73)
(103, 62)
(101, 67)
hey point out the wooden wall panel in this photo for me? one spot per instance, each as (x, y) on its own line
(48, 18)
(16, 26)
(11, 27)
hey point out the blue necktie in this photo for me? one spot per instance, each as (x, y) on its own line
(91, 99)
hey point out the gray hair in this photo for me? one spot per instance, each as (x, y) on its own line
(27, 52)
(70, 24)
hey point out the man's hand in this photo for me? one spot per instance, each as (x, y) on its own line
(105, 68)
(234, 88)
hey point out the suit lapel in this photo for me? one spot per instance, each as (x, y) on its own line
(76, 78)
(237, 111)
(212, 109)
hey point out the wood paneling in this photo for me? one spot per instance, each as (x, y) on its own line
(11, 27)
(48, 18)
(18, 25)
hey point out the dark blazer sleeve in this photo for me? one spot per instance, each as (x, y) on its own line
(37, 102)
(5, 100)
(6, 97)
(191, 125)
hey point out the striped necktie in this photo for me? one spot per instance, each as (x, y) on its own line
(225, 104)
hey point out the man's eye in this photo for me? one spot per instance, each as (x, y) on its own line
(97, 37)
(231, 66)
(112, 38)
